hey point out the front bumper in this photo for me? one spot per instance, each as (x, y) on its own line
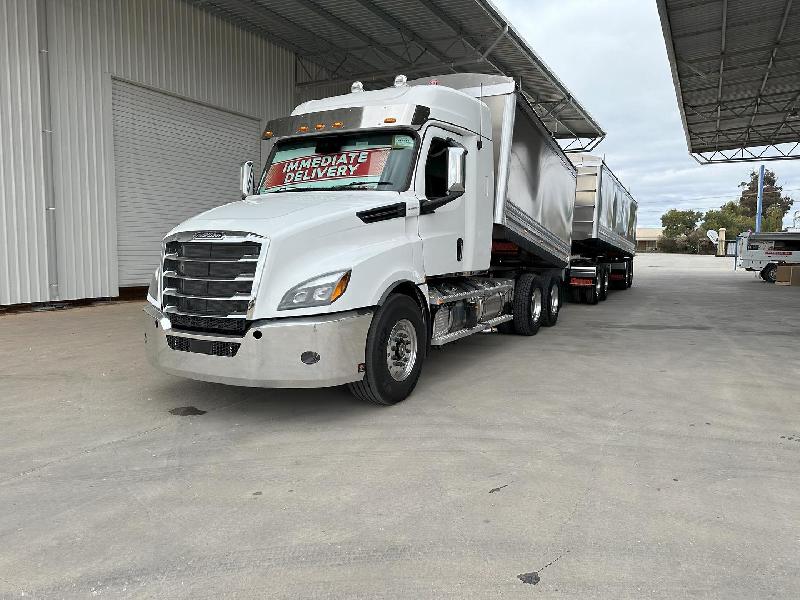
(274, 358)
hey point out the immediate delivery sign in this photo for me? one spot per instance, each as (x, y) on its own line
(360, 164)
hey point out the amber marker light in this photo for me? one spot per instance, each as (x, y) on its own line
(341, 286)
(268, 134)
(319, 126)
(302, 128)
(390, 120)
(337, 124)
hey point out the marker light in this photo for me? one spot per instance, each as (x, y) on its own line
(302, 128)
(319, 126)
(337, 124)
(268, 134)
(390, 120)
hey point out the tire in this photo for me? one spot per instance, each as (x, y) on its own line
(621, 285)
(528, 306)
(629, 282)
(770, 273)
(591, 295)
(397, 330)
(605, 284)
(552, 301)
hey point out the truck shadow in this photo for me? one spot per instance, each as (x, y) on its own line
(222, 401)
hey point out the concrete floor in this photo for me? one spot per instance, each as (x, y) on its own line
(647, 447)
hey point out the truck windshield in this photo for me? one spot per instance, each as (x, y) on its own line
(348, 161)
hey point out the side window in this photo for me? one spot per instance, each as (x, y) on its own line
(436, 169)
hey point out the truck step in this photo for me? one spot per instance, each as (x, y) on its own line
(457, 335)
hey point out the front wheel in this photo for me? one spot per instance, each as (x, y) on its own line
(394, 354)
(770, 273)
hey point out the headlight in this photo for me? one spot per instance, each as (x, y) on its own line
(152, 290)
(320, 291)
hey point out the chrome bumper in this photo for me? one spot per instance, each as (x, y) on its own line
(273, 359)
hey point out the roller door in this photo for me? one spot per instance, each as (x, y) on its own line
(173, 159)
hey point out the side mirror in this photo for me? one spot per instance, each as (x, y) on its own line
(247, 179)
(455, 170)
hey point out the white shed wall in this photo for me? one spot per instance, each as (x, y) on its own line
(165, 44)
(23, 253)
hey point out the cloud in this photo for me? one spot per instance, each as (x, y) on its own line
(611, 55)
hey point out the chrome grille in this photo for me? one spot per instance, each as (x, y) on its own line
(208, 286)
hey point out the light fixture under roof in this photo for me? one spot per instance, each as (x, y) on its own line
(357, 87)
(400, 81)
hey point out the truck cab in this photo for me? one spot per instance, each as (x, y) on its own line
(366, 238)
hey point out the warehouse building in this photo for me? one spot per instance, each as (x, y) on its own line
(121, 118)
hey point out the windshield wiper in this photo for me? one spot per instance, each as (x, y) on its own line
(288, 189)
(353, 184)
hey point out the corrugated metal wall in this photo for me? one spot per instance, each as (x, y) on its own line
(165, 44)
(23, 253)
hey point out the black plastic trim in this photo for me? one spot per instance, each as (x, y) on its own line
(421, 114)
(383, 213)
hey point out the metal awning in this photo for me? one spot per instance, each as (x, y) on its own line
(338, 41)
(736, 69)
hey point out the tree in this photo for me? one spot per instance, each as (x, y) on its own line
(679, 222)
(731, 216)
(772, 195)
(773, 218)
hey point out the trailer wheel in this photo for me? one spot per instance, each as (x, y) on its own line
(552, 302)
(528, 305)
(622, 284)
(591, 295)
(395, 351)
(605, 283)
(770, 273)
(629, 266)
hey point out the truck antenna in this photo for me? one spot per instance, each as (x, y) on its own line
(480, 120)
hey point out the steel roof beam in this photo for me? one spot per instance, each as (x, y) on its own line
(722, 58)
(254, 11)
(350, 30)
(787, 8)
(391, 21)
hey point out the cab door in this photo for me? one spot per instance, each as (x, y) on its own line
(442, 231)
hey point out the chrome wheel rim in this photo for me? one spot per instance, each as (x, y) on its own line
(536, 305)
(401, 350)
(555, 299)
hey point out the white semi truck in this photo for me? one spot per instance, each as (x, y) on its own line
(603, 232)
(384, 222)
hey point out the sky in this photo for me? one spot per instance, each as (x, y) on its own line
(612, 57)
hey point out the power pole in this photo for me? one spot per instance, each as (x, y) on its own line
(760, 201)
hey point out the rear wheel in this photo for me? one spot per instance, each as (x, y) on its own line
(629, 265)
(394, 354)
(605, 283)
(770, 273)
(620, 284)
(528, 308)
(552, 302)
(591, 295)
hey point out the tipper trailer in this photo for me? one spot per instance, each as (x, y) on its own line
(384, 222)
(603, 232)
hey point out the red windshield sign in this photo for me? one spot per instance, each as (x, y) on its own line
(361, 164)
